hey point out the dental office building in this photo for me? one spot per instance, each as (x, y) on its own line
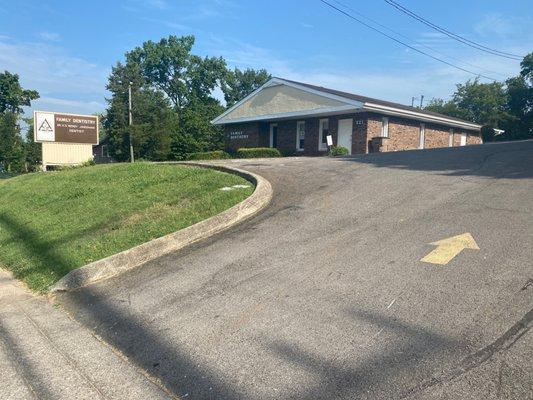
(296, 118)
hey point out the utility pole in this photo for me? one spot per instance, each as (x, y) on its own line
(421, 100)
(131, 122)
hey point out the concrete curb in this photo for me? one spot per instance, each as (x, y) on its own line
(126, 260)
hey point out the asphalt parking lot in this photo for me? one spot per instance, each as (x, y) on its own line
(323, 295)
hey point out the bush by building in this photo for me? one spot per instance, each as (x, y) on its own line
(208, 155)
(257, 152)
(338, 151)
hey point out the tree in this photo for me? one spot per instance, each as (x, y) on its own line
(32, 150)
(239, 84)
(196, 132)
(12, 96)
(482, 103)
(446, 107)
(168, 65)
(153, 118)
(12, 155)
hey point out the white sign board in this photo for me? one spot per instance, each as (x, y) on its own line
(44, 127)
(329, 140)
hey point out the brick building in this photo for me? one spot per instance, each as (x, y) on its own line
(296, 118)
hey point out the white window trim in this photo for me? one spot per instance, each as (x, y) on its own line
(271, 141)
(298, 123)
(450, 140)
(422, 136)
(385, 127)
(322, 146)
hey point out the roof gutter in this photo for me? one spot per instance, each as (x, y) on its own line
(420, 116)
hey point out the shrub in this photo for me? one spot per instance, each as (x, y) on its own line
(338, 151)
(257, 152)
(487, 133)
(208, 155)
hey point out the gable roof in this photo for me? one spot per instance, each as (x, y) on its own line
(360, 103)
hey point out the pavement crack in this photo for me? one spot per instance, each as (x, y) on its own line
(504, 342)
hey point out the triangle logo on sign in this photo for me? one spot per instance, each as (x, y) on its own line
(45, 126)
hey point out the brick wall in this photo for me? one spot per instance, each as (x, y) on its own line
(242, 135)
(436, 136)
(404, 134)
(473, 138)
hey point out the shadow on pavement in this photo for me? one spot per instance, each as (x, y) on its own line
(374, 376)
(148, 348)
(460, 161)
(181, 374)
(32, 379)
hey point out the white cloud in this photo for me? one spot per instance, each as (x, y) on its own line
(306, 25)
(55, 74)
(53, 104)
(167, 23)
(496, 24)
(50, 36)
(408, 75)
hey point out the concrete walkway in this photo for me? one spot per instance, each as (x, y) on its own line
(44, 354)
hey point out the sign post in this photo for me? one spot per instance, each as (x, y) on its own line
(67, 139)
(329, 139)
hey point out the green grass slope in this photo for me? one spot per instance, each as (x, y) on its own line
(51, 223)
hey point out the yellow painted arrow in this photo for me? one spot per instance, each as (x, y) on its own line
(448, 248)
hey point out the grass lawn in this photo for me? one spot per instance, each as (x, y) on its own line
(51, 223)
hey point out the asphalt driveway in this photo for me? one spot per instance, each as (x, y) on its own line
(323, 295)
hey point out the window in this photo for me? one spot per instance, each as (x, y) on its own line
(273, 135)
(450, 140)
(385, 127)
(422, 136)
(300, 135)
(324, 132)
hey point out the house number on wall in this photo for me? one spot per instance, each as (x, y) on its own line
(238, 135)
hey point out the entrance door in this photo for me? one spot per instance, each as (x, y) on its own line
(274, 135)
(463, 138)
(344, 135)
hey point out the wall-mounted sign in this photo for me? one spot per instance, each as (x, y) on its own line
(329, 140)
(238, 135)
(65, 128)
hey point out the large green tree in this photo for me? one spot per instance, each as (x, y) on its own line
(240, 83)
(153, 119)
(13, 149)
(507, 106)
(12, 96)
(482, 103)
(32, 150)
(170, 66)
(173, 99)
(12, 156)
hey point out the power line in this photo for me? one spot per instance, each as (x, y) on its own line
(405, 44)
(453, 35)
(418, 44)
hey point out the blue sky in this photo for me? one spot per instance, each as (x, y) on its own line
(65, 49)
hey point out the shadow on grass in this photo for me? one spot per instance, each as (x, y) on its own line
(511, 160)
(46, 259)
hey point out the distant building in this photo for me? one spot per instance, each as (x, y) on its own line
(101, 152)
(297, 118)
